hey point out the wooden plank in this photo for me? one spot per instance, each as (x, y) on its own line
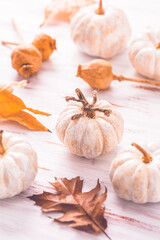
(139, 105)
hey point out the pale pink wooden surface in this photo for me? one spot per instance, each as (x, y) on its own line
(139, 105)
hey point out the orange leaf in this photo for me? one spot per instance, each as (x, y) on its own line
(38, 112)
(27, 120)
(11, 108)
(9, 103)
(10, 87)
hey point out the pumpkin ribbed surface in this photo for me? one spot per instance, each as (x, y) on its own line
(18, 166)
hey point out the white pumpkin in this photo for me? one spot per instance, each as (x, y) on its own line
(100, 32)
(89, 128)
(18, 165)
(135, 173)
(144, 53)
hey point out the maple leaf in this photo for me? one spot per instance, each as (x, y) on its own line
(12, 108)
(82, 210)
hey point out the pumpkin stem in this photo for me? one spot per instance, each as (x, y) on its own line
(146, 156)
(157, 45)
(94, 97)
(88, 110)
(2, 149)
(81, 98)
(138, 80)
(100, 9)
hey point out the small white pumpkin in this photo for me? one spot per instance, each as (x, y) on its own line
(135, 173)
(144, 53)
(100, 32)
(18, 165)
(89, 128)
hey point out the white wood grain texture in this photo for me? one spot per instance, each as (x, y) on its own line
(139, 105)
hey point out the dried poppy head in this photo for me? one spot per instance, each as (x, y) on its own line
(26, 59)
(98, 74)
(45, 44)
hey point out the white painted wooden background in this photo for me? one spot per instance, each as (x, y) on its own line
(139, 104)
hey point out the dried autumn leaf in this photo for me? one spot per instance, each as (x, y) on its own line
(63, 10)
(9, 103)
(82, 210)
(27, 120)
(12, 108)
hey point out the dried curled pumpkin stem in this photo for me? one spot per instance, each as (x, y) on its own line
(100, 9)
(146, 156)
(2, 149)
(138, 80)
(81, 96)
(88, 110)
(94, 97)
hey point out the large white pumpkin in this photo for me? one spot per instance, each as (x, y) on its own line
(135, 173)
(89, 130)
(144, 53)
(102, 33)
(18, 165)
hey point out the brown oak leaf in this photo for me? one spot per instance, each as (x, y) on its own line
(13, 108)
(82, 210)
